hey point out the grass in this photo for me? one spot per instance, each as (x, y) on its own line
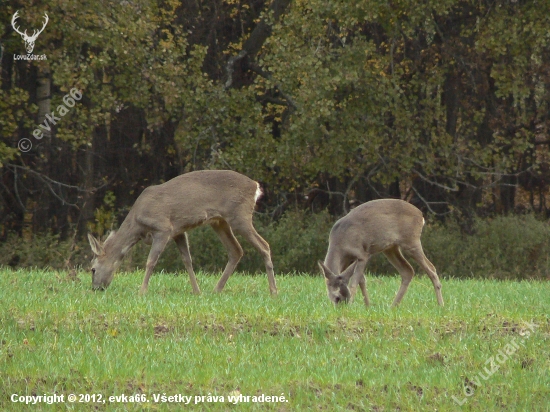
(58, 336)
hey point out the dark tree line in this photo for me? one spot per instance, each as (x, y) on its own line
(327, 104)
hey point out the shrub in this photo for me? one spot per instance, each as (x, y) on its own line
(44, 250)
(502, 247)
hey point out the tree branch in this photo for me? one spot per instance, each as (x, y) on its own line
(257, 69)
(49, 183)
(255, 41)
(430, 203)
(451, 189)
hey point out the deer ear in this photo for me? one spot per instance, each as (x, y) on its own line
(348, 273)
(96, 245)
(326, 271)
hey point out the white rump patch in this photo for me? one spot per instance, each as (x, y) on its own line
(258, 194)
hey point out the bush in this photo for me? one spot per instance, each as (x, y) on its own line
(298, 240)
(45, 250)
(504, 247)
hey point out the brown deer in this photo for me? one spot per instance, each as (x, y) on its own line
(385, 225)
(222, 199)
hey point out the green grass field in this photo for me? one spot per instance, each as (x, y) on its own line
(58, 336)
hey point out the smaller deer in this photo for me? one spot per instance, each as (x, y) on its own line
(223, 199)
(385, 225)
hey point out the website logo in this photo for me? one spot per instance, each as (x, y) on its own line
(29, 40)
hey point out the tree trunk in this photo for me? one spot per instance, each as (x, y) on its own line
(46, 207)
(237, 66)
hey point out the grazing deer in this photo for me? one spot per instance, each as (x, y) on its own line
(222, 199)
(385, 225)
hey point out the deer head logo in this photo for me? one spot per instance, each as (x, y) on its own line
(29, 40)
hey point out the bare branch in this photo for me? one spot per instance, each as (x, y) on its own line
(430, 203)
(46, 178)
(49, 183)
(350, 185)
(496, 173)
(451, 189)
(330, 192)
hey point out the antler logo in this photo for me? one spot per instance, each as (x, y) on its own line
(29, 40)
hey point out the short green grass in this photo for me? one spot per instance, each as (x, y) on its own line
(58, 336)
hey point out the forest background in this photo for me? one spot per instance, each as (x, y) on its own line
(327, 104)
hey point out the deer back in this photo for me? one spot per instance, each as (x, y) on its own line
(194, 198)
(373, 227)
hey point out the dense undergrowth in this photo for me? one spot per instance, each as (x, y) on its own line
(504, 247)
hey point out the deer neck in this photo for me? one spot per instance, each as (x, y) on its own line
(333, 261)
(123, 240)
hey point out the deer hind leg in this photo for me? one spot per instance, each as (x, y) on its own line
(234, 251)
(418, 254)
(246, 229)
(160, 239)
(404, 268)
(183, 245)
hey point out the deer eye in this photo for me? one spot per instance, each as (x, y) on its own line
(93, 271)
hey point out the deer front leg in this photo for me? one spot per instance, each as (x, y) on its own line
(363, 286)
(358, 278)
(183, 245)
(159, 243)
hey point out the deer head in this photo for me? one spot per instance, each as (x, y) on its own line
(104, 264)
(29, 40)
(338, 285)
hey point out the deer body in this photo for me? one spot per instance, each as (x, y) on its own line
(222, 199)
(389, 226)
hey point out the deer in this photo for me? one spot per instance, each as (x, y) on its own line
(223, 199)
(29, 40)
(388, 226)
